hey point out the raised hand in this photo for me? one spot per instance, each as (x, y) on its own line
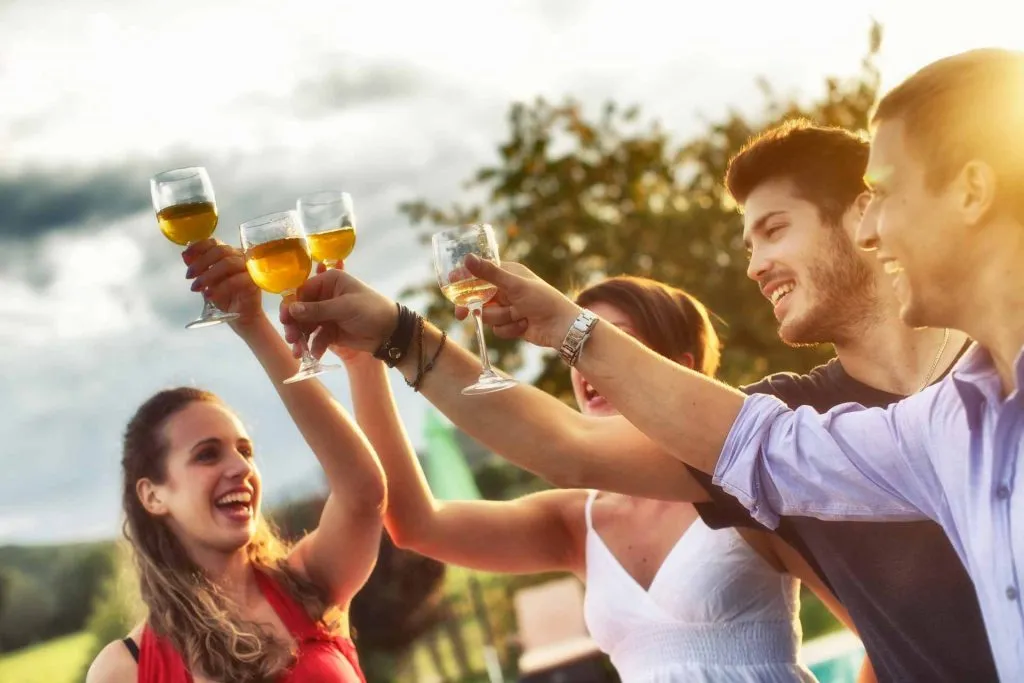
(525, 306)
(218, 270)
(348, 312)
(346, 354)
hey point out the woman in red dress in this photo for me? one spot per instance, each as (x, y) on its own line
(227, 600)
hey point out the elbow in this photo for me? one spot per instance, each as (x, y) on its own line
(373, 497)
(406, 536)
(370, 497)
(414, 528)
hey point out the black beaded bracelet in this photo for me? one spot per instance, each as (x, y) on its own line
(394, 348)
(430, 365)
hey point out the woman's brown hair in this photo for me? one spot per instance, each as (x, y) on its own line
(667, 319)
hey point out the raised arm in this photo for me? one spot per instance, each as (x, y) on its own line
(851, 463)
(340, 554)
(524, 425)
(537, 533)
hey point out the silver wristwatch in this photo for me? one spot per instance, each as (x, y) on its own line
(577, 336)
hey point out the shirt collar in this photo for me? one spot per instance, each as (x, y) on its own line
(975, 376)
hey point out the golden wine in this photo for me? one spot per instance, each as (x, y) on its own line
(279, 265)
(469, 292)
(187, 223)
(333, 246)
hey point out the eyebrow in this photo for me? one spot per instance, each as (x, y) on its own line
(205, 442)
(759, 224)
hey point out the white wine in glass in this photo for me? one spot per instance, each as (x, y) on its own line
(458, 286)
(329, 222)
(186, 212)
(277, 258)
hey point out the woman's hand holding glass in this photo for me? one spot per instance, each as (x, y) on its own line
(218, 270)
(186, 212)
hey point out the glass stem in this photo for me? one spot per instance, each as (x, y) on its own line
(209, 309)
(477, 313)
(307, 357)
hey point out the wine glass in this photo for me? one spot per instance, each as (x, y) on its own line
(329, 222)
(186, 212)
(277, 258)
(458, 286)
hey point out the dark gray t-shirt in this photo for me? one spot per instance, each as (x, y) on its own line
(902, 583)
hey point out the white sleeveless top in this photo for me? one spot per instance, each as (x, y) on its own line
(716, 612)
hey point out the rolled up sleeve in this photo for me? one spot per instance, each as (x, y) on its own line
(847, 464)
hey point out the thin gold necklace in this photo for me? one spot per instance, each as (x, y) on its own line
(935, 362)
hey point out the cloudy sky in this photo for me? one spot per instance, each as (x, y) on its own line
(390, 101)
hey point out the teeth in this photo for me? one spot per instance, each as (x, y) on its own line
(780, 292)
(243, 497)
(893, 267)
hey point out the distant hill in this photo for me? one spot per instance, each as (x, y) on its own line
(47, 591)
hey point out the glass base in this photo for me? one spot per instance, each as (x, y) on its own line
(215, 318)
(310, 371)
(488, 384)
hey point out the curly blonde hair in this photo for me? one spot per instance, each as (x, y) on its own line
(185, 607)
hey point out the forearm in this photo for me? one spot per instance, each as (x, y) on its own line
(411, 508)
(353, 474)
(687, 413)
(539, 433)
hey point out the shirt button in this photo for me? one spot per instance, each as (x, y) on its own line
(1003, 492)
(1011, 593)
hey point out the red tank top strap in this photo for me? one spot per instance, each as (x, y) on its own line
(159, 662)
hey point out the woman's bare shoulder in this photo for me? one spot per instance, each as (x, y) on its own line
(115, 663)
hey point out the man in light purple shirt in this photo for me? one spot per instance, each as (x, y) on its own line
(947, 220)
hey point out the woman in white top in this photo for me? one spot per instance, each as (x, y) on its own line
(667, 598)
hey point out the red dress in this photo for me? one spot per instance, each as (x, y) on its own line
(321, 657)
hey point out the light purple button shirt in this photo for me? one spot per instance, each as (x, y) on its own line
(952, 453)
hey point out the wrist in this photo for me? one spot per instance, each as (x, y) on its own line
(359, 361)
(563, 321)
(248, 326)
(395, 347)
(576, 337)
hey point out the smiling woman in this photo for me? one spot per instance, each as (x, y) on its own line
(227, 600)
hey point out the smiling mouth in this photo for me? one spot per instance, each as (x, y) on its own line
(780, 292)
(237, 504)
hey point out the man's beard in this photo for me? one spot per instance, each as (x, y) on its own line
(841, 294)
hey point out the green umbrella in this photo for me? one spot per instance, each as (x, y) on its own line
(449, 478)
(445, 466)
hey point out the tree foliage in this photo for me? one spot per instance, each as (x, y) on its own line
(579, 198)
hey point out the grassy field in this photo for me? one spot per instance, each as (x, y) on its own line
(57, 661)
